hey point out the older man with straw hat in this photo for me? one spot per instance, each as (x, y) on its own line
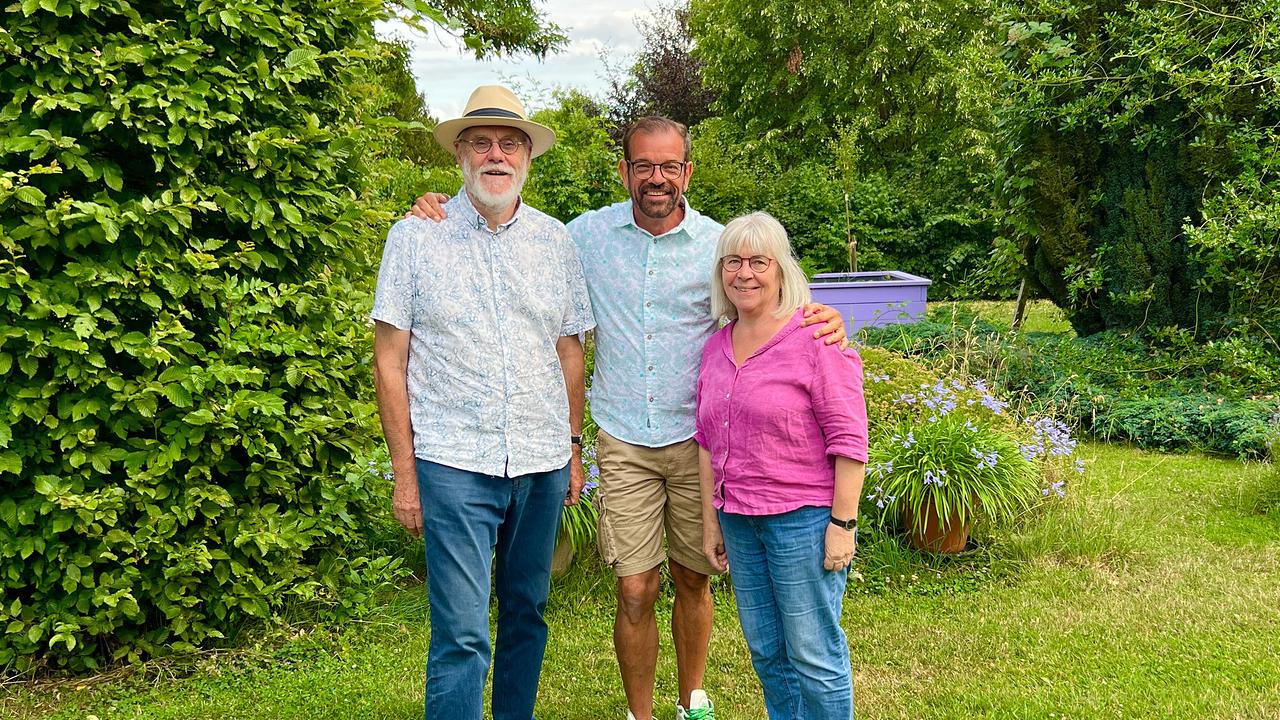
(479, 373)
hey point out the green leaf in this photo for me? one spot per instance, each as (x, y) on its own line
(9, 514)
(290, 213)
(203, 416)
(112, 177)
(177, 395)
(30, 195)
(10, 462)
(301, 55)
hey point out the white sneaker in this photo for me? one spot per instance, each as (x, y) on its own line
(700, 708)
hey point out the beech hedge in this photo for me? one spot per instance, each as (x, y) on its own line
(181, 321)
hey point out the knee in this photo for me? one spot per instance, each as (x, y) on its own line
(637, 595)
(689, 584)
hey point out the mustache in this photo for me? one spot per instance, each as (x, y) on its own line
(665, 185)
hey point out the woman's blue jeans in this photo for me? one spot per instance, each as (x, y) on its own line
(469, 521)
(789, 607)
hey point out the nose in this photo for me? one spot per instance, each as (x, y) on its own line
(495, 154)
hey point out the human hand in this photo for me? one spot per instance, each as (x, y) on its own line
(405, 505)
(832, 323)
(713, 547)
(429, 207)
(840, 547)
(576, 480)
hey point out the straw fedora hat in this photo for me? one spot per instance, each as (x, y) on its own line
(495, 105)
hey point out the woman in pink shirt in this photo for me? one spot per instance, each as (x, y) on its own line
(782, 429)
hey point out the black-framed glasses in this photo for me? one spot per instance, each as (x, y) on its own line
(757, 263)
(642, 169)
(481, 145)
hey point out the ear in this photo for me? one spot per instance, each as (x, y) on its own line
(688, 174)
(622, 171)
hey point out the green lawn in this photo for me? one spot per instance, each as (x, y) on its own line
(1039, 315)
(1153, 593)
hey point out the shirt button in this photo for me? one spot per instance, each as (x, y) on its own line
(649, 304)
(650, 398)
(651, 367)
(726, 423)
(726, 396)
(648, 337)
(651, 272)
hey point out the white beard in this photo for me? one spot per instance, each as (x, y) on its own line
(473, 181)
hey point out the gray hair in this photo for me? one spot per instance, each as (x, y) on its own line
(759, 234)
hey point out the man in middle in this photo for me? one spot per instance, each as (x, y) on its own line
(648, 263)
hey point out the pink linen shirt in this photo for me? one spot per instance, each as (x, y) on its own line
(774, 425)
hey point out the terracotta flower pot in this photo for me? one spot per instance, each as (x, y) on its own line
(562, 559)
(935, 534)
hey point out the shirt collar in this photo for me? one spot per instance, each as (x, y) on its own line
(792, 325)
(626, 216)
(474, 219)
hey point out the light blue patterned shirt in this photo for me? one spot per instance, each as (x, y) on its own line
(652, 298)
(485, 309)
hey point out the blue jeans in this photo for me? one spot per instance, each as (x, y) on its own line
(789, 607)
(471, 520)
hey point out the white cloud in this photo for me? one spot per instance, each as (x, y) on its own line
(447, 73)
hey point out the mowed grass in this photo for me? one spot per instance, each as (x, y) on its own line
(1038, 316)
(1152, 592)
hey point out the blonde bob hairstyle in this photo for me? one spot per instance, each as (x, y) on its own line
(759, 234)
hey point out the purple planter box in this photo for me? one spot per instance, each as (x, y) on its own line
(872, 298)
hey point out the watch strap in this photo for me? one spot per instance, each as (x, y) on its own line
(850, 524)
(575, 440)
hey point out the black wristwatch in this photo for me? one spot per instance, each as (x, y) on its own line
(575, 440)
(850, 524)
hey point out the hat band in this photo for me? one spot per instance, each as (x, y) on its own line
(493, 112)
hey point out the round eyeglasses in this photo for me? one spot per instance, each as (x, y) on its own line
(643, 169)
(757, 263)
(481, 145)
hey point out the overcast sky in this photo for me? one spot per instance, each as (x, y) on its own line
(447, 73)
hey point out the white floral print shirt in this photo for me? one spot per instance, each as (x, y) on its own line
(485, 309)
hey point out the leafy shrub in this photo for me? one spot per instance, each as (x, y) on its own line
(580, 172)
(1138, 172)
(1207, 422)
(1217, 396)
(186, 371)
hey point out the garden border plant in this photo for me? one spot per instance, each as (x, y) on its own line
(186, 368)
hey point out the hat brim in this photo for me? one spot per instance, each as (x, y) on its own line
(541, 136)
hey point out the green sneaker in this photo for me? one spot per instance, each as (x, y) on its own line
(700, 708)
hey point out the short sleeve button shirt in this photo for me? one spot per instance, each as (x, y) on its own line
(652, 298)
(485, 309)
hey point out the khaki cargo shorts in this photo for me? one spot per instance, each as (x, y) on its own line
(644, 491)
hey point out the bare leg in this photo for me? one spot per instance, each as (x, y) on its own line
(690, 627)
(635, 640)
